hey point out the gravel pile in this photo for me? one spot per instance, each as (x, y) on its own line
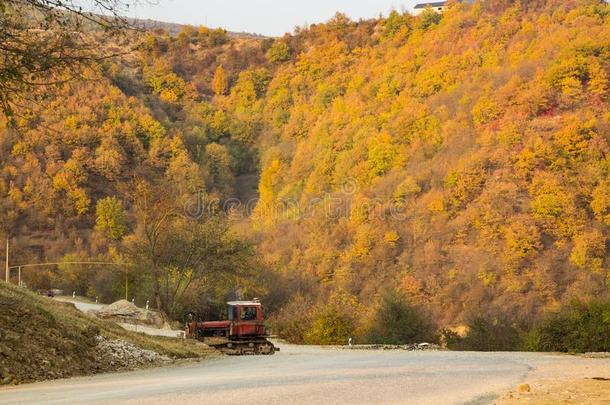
(123, 355)
(126, 312)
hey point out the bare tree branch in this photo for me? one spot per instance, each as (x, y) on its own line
(50, 42)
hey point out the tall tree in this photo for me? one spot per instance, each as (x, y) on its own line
(220, 82)
(179, 253)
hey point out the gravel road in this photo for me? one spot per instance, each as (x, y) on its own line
(80, 304)
(299, 375)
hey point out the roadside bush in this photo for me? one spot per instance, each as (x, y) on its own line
(330, 326)
(492, 331)
(450, 338)
(578, 327)
(396, 321)
(335, 321)
(293, 321)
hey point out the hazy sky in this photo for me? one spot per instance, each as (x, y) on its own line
(268, 17)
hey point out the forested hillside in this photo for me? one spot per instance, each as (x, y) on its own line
(466, 156)
(456, 163)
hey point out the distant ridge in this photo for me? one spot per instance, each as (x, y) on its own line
(174, 28)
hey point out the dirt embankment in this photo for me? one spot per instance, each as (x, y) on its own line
(43, 339)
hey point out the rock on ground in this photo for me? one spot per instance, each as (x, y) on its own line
(407, 347)
(119, 354)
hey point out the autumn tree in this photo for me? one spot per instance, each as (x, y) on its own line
(180, 253)
(279, 52)
(220, 82)
(395, 22)
(111, 218)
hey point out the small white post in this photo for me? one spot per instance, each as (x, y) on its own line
(147, 304)
(133, 300)
(73, 294)
(96, 300)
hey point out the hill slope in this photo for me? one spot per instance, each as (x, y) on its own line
(461, 159)
(44, 339)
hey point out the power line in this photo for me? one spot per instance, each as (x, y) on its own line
(60, 263)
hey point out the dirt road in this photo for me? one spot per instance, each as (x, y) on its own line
(84, 305)
(299, 375)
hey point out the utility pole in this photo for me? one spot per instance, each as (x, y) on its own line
(8, 271)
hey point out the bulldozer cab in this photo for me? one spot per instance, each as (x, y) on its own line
(246, 318)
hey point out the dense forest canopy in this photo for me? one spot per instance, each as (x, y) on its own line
(456, 161)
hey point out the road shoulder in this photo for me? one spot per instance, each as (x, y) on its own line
(584, 381)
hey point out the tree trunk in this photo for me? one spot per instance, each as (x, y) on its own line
(157, 287)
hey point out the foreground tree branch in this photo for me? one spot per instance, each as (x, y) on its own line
(49, 42)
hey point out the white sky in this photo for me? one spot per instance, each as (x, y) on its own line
(267, 17)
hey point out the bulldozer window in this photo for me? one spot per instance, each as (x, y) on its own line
(248, 313)
(232, 312)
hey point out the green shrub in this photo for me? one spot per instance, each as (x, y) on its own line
(487, 332)
(398, 322)
(293, 321)
(330, 326)
(279, 52)
(429, 18)
(578, 327)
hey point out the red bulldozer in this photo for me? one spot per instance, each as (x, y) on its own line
(243, 333)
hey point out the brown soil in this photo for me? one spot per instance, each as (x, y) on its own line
(583, 382)
(579, 391)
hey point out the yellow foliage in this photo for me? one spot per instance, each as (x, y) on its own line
(382, 155)
(571, 90)
(391, 237)
(589, 250)
(168, 95)
(487, 277)
(600, 202)
(220, 82)
(80, 200)
(598, 82)
(20, 148)
(412, 286)
(552, 205)
(484, 111)
(437, 204)
(363, 242)
(522, 239)
(407, 188)
(71, 123)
